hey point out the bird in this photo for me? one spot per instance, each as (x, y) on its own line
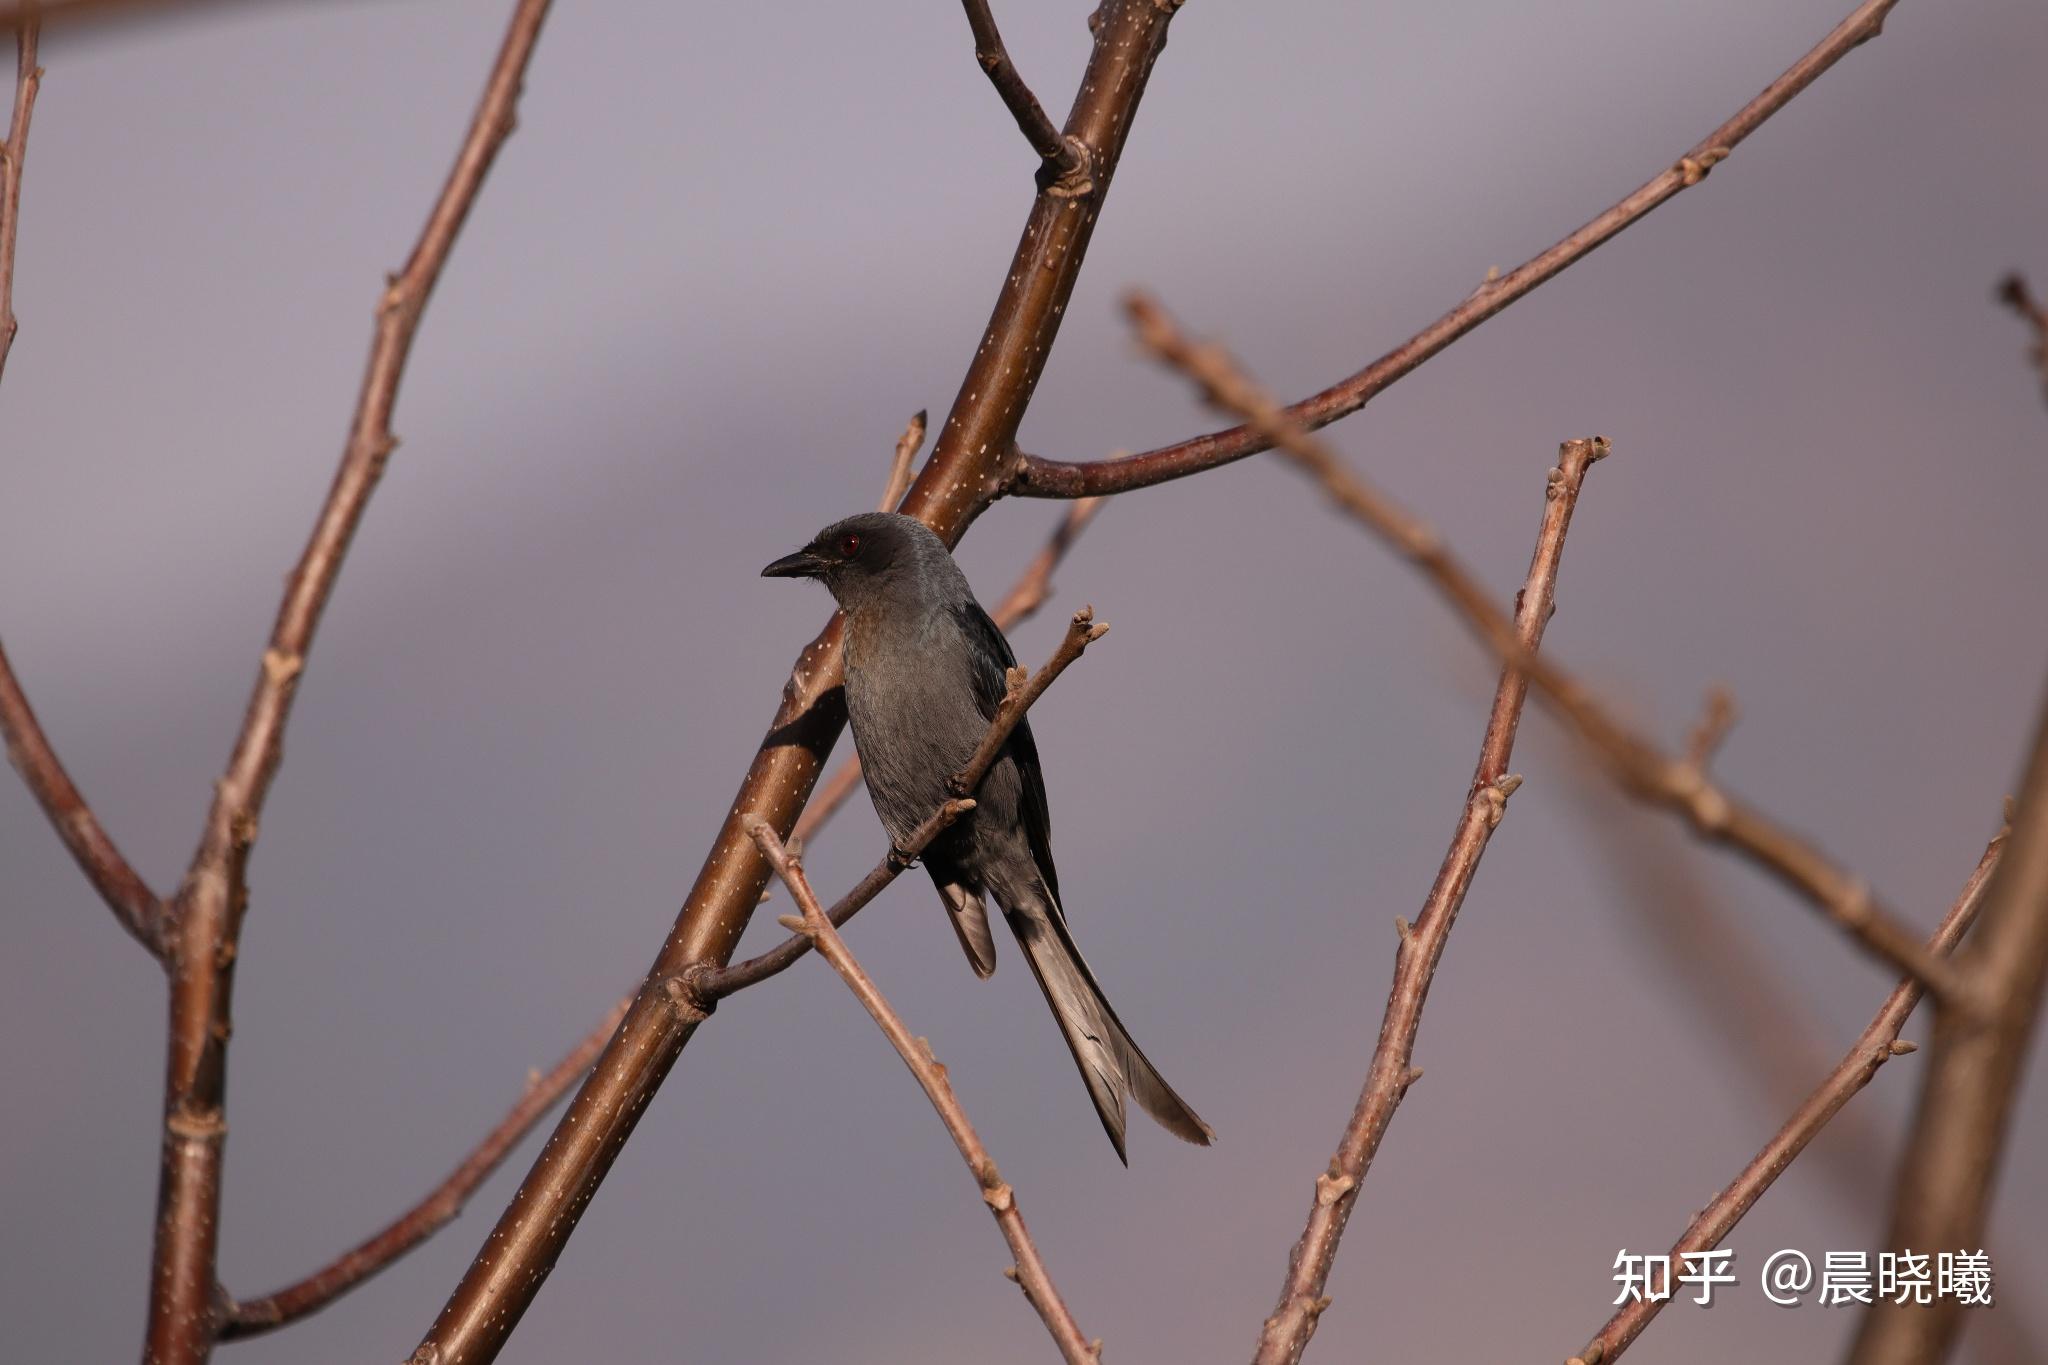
(925, 670)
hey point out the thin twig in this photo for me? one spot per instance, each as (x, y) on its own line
(1640, 766)
(1029, 1271)
(137, 908)
(1024, 690)
(907, 446)
(1035, 477)
(281, 1307)
(1717, 718)
(1286, 1333)
(1974, 1069)
(707, 986)
(1020, 604)
(1877, 1044)
(207, 915)
(1066, 159)
(2014, 294)
(959, 480)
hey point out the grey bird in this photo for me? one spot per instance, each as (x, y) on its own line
(925, 671)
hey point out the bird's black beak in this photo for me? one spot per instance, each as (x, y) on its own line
(802, 564)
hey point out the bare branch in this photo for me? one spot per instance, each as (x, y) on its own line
(1286, 1333)
(707, 986)
(1020, 604)
(1974, 1070)
(206, 928)
(28, 79)
(1717, 718)
(907, 446)
(135, 906)
(1029, 1272)
(68, 14)
(279, 1308)
(1066, 159)
(1082, 631)
(1877, 1044)
(1041, 478)
(2014, 294)
(1641, 768)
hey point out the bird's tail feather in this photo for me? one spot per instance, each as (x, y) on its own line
(969, 918)
(1109, 1058)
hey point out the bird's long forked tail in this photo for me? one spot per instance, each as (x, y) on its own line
(1110, 1060)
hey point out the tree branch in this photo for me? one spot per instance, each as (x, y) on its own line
(1974, 1070)
(1020, 604)
(956, 484)
(1029, 1271)
(1041, 478)
(1641, 768)
(205, 930)
(135, 906)
(1877, 1044)
(281, 1307)
(28, 79)
(2014, 294)
(1066, 159)
(907, 446)
(1286, 1333)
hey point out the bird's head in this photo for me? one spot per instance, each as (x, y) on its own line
(867, 556)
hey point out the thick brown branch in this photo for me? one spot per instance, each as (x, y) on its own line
(1029, 1271)
(1974, 1070)
(207, 915)
(1640, 766)
(1020, 604)
(956, 484)
(1877, 1044)
(1286, 1334)
(1066, 159)
(1042, 478)
(2014, 294)
(135, 906)
(708, 985)
(253, 1317)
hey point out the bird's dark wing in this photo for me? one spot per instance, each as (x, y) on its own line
(992, 658)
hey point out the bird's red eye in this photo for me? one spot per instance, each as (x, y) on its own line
(849, 546)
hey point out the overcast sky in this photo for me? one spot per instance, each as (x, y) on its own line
(730, 249)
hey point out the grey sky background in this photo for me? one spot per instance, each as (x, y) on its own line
(730, 249)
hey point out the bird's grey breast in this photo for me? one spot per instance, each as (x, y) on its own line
(910, 698)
